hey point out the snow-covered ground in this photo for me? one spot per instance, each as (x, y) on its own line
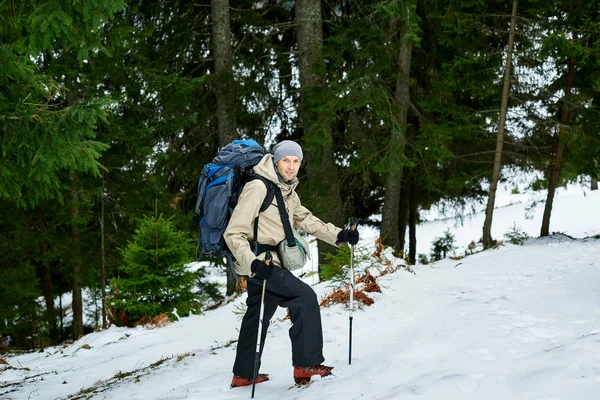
(518, 322)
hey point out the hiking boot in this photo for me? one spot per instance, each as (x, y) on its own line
(303, 374)
(238, 381)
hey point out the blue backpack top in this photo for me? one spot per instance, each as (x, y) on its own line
(219, 188)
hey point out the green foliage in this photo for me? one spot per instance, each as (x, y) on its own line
(41, 133)
(442, 246)
(79, 76)
(154, 278)
(516, 235)
(240, 310)
(336, 264)
(20, 313)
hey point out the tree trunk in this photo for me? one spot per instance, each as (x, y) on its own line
(321, 192)
(224, 86)
(75, 249)
(489, 213)
(103, 257)
(49, 300)
(391, 202)
(413, 213)
(62, 314)
(555, 172)
(75, 260)
(403, 216)
(45, 273)
(594, 184)
(224, 83)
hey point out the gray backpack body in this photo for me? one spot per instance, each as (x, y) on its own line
(219, 188)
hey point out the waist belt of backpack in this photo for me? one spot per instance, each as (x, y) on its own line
(261, 248)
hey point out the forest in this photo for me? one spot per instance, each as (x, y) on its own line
(110, 108)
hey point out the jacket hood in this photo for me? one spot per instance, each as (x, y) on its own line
(266, 168)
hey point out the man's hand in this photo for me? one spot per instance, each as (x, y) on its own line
(262, 270)
(348, 236)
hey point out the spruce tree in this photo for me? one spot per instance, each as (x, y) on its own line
(38, 138)
(153, 278)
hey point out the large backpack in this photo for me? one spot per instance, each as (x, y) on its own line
(219, 188)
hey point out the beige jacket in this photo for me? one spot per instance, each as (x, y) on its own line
(240, 231)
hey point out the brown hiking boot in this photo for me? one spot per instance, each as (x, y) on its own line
(303, 374)
(238, 381)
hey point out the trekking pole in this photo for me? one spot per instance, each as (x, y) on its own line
(268, 258)
(353, 224)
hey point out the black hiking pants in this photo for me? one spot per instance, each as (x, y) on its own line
(285, 290)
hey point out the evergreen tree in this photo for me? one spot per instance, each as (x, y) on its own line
(153, 278)
(39, 139)
(572, 44)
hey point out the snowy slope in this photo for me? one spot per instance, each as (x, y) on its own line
(519, 322)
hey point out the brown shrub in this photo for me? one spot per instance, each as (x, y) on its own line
(370, 283)
(372, 287)
(342, 296)
(367, 278)
(379, 247)
(388, 269)
(159, 321)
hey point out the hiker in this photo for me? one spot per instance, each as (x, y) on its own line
(283, 288)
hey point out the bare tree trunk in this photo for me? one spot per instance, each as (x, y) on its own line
(49, 300)
(489, 213)
(413, 213)
(75, 249)
(594, 184)
(75, 259)
(555, 172)
(322, 189)
(46, 275)
(224, 85)
(403, 215)
(391, 201)
(103, 257)
(62, 314)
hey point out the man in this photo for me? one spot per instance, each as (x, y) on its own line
(282, 287)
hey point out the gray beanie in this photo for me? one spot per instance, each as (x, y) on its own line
(286, 148)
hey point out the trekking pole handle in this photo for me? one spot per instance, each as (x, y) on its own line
(268, 258)
(353, 224)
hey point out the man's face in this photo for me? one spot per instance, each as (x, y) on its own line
(288, 167)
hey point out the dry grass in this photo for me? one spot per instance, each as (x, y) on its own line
(342, 296)
(184, 355)
(370, 283)
(159, 321)
(379, 247)
(367, 278)
(372, 287)
(389, 268)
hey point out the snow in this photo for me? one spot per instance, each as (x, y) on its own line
(517, 322)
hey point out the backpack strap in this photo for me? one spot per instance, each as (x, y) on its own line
(256, 247)
(201, 187)
(285, 218)
(273, 191)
